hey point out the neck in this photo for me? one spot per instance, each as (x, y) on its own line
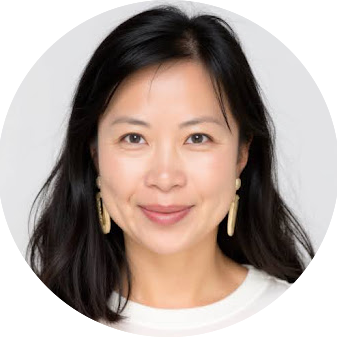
(194, 277)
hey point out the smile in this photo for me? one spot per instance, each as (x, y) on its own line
(165, 218)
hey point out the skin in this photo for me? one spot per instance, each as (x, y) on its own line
(179, 265)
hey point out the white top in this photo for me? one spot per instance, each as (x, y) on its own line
(257, 291)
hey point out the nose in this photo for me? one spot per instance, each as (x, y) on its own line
(166, 169)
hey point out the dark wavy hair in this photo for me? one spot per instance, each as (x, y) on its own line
(68, 250)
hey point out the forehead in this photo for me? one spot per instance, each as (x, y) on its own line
(179, 88)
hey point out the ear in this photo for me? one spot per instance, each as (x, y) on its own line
(94, 154)
(243, 156)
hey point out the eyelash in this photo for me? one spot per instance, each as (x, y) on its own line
(137, 134)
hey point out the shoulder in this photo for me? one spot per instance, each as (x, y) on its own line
(257, 291)
(273, 287)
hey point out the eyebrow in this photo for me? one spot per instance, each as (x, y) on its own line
(134, 121)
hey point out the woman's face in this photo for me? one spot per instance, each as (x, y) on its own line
(161, 160)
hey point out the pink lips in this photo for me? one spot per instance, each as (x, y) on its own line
(166, 218)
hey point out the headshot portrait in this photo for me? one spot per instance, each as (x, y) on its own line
(162, 213)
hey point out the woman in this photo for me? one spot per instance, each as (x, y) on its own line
(165, 195)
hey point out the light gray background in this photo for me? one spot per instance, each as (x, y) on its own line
(305, 137)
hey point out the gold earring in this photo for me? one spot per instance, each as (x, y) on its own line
(233, 210)
(103, 215)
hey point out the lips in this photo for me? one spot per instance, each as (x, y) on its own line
(166, 218)
(165, 209)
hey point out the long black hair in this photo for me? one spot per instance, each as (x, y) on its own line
(68, 250)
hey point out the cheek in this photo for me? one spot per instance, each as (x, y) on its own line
(120, 173)
(214, 175)
(214, 179)
(121, 177)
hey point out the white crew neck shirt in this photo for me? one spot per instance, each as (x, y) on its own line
(257, 291)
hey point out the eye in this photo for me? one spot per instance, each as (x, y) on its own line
(134, 138)
(198, 137)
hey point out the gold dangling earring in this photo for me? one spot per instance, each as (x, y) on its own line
(233, 210)
(103, 215)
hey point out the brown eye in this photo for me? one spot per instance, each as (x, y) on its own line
(198, 137)
(134, 138)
